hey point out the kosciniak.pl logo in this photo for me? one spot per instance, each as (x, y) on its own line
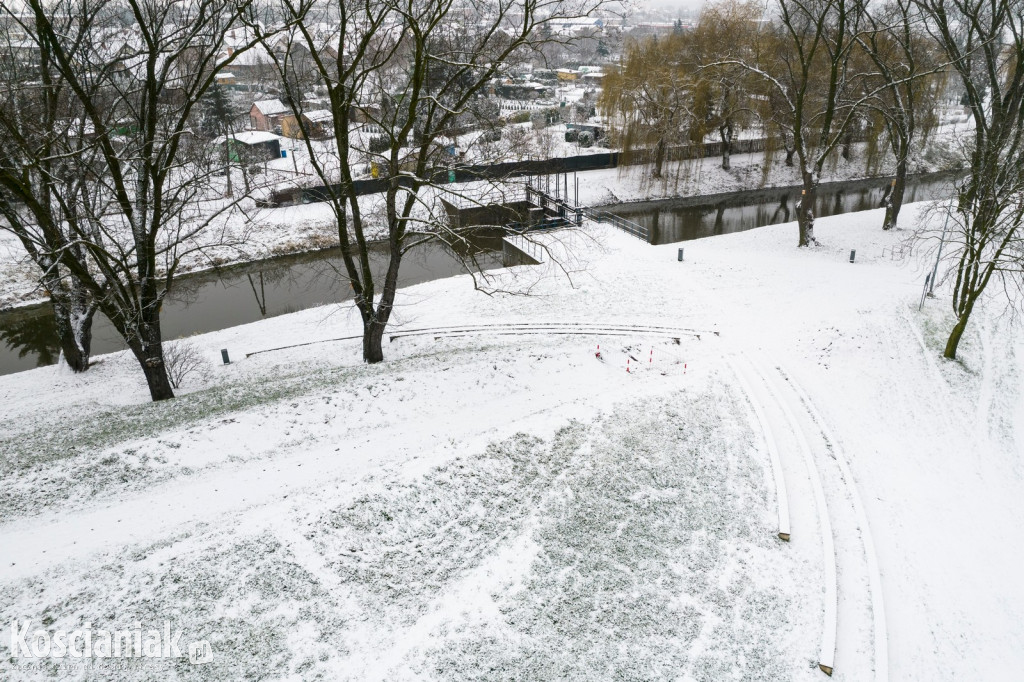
(86, 643)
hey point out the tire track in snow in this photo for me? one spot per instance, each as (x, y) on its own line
(881, 637)
(854, 641)
(827, 651)
(782, 497)
(805, 541)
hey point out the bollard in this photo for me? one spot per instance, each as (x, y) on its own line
(853, 254)
(224, 356)
(680, 255)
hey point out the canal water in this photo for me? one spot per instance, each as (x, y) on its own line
(681, 220)
(216, 300)
(238, 295)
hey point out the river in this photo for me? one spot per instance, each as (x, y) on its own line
(237, 295)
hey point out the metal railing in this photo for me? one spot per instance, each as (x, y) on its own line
(629, 226)
(528, 248)
(565, 210)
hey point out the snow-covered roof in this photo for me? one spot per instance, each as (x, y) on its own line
(271, 107)
(257, 55)
(319, 115)
(249, 137)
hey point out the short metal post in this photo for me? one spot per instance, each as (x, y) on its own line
(680, 255)
(853, 254)
(224, 356)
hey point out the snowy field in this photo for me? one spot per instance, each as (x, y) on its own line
(514, 507)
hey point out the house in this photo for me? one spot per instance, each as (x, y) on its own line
(319, 123)
(267, 114)
(364, 113)
(250, 63)
(566, 74)
(251, 146)
(520, 90)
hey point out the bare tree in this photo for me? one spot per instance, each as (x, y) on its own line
(184, 359)
(984, 41)
(134, 70)
(805, 57)
(723, 95)
(652, 97)
(412, 69)
(907, 63)
(42, 128)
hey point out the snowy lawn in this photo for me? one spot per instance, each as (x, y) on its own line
(637, 548)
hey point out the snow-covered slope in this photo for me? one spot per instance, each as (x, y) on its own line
(502, 507)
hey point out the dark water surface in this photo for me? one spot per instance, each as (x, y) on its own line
(673, 221)
(216, 300)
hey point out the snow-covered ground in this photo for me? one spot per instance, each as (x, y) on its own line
(495, 507)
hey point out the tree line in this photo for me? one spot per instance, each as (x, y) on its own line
(108, 181)
(813, 76)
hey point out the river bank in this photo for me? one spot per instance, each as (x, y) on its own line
(265, 233)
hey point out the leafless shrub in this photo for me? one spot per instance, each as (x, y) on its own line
(183, 359)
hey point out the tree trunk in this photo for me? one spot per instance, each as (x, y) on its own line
(148, 350)
(894, 202)
(659, 158)
(790, 151)
(74, 331)
(725, 132)
(72, 315)
(958, 331)
(805, 210)
(376, 321)
(373, 340)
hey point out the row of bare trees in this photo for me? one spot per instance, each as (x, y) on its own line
(812, 75)
(430, 61)
(102, 178)
(817, 74)
(109, 184)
